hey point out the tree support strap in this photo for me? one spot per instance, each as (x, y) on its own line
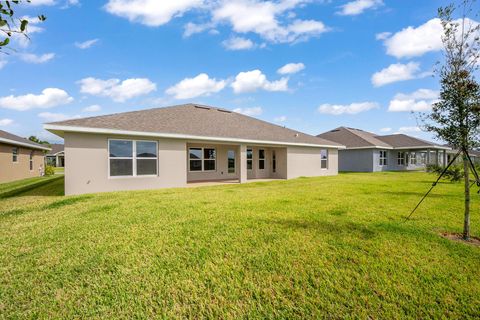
(434, 184)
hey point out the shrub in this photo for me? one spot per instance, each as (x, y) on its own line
(49, 170)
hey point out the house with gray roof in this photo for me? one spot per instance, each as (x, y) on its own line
(179, 145)
(20, 158)
(368, 152)
(56, 157)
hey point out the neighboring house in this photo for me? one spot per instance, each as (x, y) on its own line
(56, 157)
(20, 158)
(173, 146)
(368, 152)
(474, 155)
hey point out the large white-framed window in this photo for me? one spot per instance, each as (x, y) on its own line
(324, 159)
(261, 159)
(31, 160)
(383, 158)
(401, 159)
(231, 161)
(249, 159)
(132, 158)
(413, 159)
(202, 159)
(15, 154)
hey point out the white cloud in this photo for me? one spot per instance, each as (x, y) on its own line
(201, 85)
(291, 68)
(92, 108)
(412, 42)
(53, 117)
(272, 20)
(37, 59)
(5, 122)
(193, 28)
(415, 42)
(357, 7)
(254, 80)
(420, 100)
(255, 111)
(280, 119)
(238, 43)
(42, 2)
(3, 62)
(117, 90)
(383, 35)
(398, 72)
(152, 13)
(50, 97)
(409, 129)
(385, 129)
(262, 18)
(86, 44)
(353, 108)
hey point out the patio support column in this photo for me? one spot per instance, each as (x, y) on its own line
(445, 158)
(243, 164)
(428, 156)
(436, 157)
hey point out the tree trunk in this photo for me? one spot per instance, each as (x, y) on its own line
(466, 224)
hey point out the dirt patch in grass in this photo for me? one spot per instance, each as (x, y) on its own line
(475, 241)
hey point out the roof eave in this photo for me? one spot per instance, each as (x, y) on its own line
(23, 144)
(61, 129)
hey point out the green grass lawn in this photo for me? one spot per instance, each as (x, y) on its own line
(17, 187)
(330, 247)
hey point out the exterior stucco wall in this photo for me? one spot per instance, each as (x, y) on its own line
(305, 162)
(11, 171)
(360, 160)
(86, 165)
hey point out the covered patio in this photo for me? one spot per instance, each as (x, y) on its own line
(209, 162)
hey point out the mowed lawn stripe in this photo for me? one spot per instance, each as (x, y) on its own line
(332, 247)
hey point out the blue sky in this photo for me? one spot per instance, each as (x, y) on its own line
(363, 63)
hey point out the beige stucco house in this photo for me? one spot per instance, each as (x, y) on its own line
(20, 158)
(175, 146)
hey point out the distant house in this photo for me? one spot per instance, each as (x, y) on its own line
(474, 155)
(56, 157)
(20, 158)
(368, 152)
(174, 146)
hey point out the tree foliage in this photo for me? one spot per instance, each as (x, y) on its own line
(10, 24)
(455, 117)
(36, 140)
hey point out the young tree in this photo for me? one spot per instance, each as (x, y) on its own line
(10, 24)
(455, 117)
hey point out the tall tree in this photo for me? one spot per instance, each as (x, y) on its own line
(455, 117)
(10, 24)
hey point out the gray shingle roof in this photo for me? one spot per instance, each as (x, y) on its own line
(353, 138)
(404, 141)
(10, 138)
(356, 138)
(193, 120)
(56, 148)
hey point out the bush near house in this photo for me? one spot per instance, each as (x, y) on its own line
(330, 247)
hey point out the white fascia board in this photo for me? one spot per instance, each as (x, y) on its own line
(23, 144)
(52, 127)
(371, 147)
(424, 148)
